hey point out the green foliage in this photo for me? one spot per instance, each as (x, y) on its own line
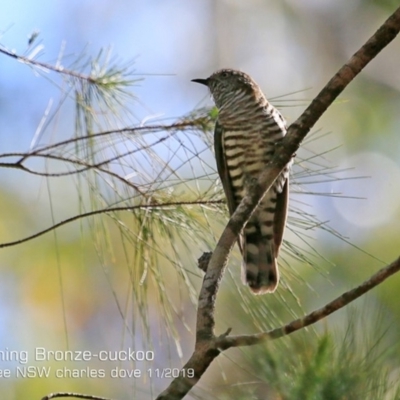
(312, 367)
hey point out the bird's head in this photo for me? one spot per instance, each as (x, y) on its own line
(227, 84)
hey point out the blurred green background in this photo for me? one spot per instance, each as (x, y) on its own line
(131, 281)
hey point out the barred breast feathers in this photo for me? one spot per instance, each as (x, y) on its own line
(248, 112)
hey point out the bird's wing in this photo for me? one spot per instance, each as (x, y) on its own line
(222, 168)
(281, 215)
(224, 175)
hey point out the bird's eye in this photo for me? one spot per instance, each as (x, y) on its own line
(224, 74)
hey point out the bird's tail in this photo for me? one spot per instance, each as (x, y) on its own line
(260, 269)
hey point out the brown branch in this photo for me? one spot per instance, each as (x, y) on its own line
(175, 127)
(206, 349)
(109, 210)
(73, 395)
(50, 67)
(87, 166)
(185, 124)
(249, 340)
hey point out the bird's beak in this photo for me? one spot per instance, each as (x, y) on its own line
(202, 81)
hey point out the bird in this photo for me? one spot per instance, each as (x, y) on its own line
(247, 130)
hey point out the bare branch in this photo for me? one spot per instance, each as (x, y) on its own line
(185, 124)
(249, 340)
(42, 152)
(206, 351)
(59, 69)
(206, 348)
(107, 211)
(73, 395)
(87, 166)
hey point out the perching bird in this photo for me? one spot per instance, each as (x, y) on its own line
(247, 130)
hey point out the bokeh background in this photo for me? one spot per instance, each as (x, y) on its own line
(71, 289)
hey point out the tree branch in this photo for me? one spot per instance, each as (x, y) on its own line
(107, 211)
(46, 66)
(183, 125)
(43, 152)
(206, 351)
(206, 347)
(72, 395)
(249, 340)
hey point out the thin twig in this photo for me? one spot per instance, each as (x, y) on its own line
(73, 395)
(110, 210)
(58, 69)
(186, 124)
